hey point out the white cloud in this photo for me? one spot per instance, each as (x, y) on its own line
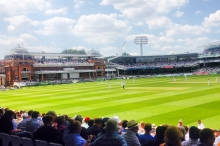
(27, 37)
(213, 20)
(198, 12)
(159, 22)
(57, 25)
(18, 7)
(18, 22)
(80, 48)
(108, 51)
(185, 30)
(46, 49)
(178, 14)
(142, 9)
(101, 28)
(78, 4)
(56, 11)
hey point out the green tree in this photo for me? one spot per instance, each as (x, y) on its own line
(125, 54)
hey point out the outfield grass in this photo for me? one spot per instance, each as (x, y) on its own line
(154, 100)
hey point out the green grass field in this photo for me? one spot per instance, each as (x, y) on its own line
(154, 100)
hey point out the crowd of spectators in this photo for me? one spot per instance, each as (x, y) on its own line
(211, 51)
(107, 131)
(208, 69)
(161, 64)
(60, 62)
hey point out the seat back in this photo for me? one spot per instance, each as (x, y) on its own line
(40, 143)
(54, 144)
(27, 141)
(27, 134)
(15, 140)
(6, 139)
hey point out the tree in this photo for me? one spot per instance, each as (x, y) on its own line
(73, 51)
(125, 54)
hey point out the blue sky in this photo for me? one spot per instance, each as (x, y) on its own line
(172, 26)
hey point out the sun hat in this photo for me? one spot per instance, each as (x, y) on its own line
(111, 125)
(132, 124)
(180, 120)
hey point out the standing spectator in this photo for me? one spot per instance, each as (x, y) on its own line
(85, 122)
(180, 124)
(200, 125)
(206, 137)
(131, 136)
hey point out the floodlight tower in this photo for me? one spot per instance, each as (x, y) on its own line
(141, 40)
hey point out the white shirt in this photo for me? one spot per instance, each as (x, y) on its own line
(201, 126)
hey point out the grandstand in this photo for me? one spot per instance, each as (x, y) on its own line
(23, 66)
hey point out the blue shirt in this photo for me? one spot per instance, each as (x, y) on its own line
(144, 138)
(109, 139)
(32, 125)
(73, 140)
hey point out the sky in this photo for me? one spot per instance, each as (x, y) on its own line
(109, 26)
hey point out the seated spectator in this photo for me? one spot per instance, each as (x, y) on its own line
(206, 137)
(159, 137)
(23, 122)
(172, 136)
(104, 120)
(193, 137)
(60, 125)
(73, 138)
(111, 137)
(47, 132)
(141, 128)
(130, 136)
(144, 138)
(90, 123)
(95, 129)
(6, 120)
(83, 129)
(33, 123)
(85, 122)
(123, 125)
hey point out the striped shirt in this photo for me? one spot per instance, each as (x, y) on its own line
(131, 138)
(109, 139)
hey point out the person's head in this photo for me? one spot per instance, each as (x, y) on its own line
(142, 124)
(74, 127)
(25, 116)
(78, 118)
(104, 120)
(111, 125)
(98, 122)
(48, 120)
(207, 136)
(147, 127)
(1, 112)
(193, 132)
(8, 115)
(199, 121)
(60, 120)
(180, 122)
(173, 135)
(90, 122)
(160, 131)
(86, 119)
(30, 113)
(34, 114)
(124, 123)
(133, 126)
